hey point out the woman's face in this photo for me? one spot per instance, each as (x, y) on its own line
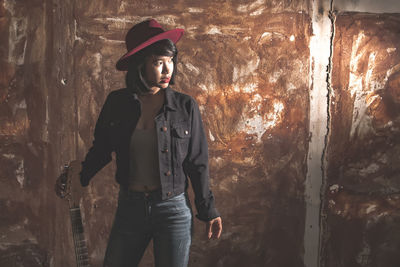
(158, 71)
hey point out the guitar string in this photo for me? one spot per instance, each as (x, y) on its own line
(81, 252)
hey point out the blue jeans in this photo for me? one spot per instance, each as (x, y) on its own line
(141, 217)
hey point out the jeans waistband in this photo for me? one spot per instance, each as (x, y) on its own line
(134, 195)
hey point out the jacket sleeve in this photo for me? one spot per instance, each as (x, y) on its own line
(196, 166)
(99, 154)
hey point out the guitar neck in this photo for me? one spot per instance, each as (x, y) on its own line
(81, 251)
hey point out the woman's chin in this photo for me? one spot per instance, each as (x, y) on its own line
(163, 85)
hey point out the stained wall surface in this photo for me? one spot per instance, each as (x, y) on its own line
(245, 63)
(27, 208)
(363, 175)
(242, 69)
(249, 66)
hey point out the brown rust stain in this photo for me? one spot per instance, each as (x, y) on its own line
(353, 206)
(237, 70)
(363, 152)
(381, 107)
(16, 128)
(257, 176)
(242, 61)
(364, 229)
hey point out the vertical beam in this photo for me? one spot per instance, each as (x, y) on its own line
(320, 58)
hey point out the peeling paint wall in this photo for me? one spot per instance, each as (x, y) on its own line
(303, 158)
(362, 201)
(24, 146)
(246, 63)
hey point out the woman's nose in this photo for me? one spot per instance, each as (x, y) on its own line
(167, 68)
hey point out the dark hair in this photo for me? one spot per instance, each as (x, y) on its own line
(134, 77)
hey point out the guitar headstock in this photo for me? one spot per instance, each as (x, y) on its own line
(69, 180)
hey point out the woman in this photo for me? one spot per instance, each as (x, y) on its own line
(159, 141)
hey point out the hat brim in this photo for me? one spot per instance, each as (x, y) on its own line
(174, 35)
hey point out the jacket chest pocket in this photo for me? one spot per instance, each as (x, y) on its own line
(181, 134)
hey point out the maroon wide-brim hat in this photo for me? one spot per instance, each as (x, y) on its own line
(142, 35)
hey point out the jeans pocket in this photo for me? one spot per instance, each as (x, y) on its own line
(179, 204)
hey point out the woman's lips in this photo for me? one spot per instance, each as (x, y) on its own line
(166, 80)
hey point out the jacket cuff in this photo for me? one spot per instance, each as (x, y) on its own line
(84, 181)
(211, 214)
(205, 207)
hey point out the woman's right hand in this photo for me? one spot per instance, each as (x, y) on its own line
(214, 228)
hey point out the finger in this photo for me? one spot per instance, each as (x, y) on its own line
(209, 230)
(219, 229)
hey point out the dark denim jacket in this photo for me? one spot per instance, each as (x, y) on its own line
(182, 144)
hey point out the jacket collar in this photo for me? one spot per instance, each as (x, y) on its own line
(170, 100)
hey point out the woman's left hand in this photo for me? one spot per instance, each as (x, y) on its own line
(214, 228)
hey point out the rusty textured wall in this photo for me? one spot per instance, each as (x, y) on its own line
(25, 234)
(363, 197)
(37, 131)
(249, 65)
(245, 63)
(241, 61)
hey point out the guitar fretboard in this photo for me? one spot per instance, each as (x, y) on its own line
(81, 251)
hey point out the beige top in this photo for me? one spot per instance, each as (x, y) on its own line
(144, 166)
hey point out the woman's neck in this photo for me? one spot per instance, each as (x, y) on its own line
(154, 95)
(151, 105)
(154, 90)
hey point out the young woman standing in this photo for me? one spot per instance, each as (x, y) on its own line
(159, 141)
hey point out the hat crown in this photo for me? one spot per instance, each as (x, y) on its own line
(141, 32)
(144, 34)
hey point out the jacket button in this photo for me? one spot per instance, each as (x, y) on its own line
(164, 128)
(186, 132)
(168, 173)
